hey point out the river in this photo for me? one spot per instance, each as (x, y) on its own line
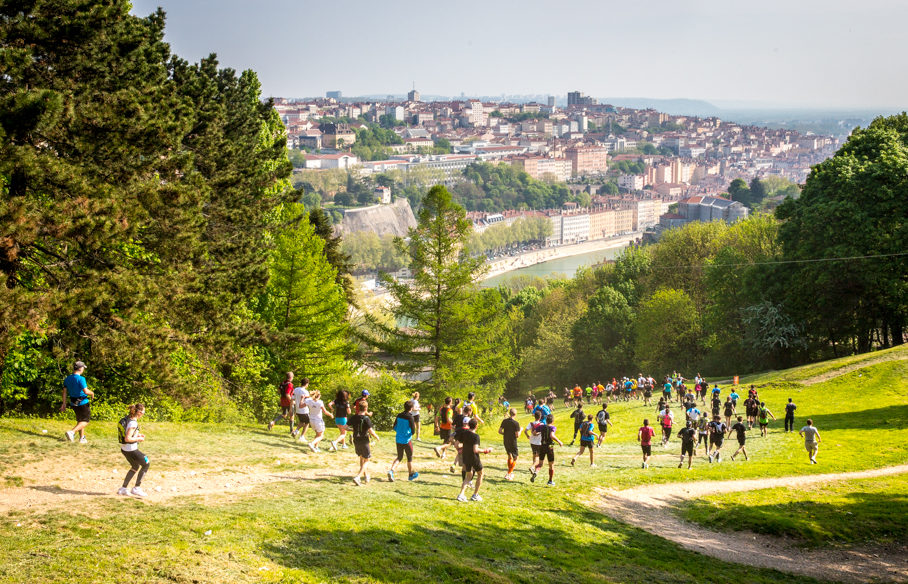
(566, 266)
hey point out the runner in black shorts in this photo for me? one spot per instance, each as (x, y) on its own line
(740, 428)
(546, 432)
(716, 437)
(360, 426)
(510, 431)
(472, 465)
(534, 438)
(603, 421)
(688, 436)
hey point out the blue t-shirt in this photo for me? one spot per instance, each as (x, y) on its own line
(734, 396)
(75, 386)
(403, 427)
(546, 410)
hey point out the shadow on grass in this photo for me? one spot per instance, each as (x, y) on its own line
(61, 491)
(891, 417)
(866, 517)
(466, 544)
(55, 437)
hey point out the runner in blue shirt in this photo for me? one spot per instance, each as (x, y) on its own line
(77, 394)
(404, 428)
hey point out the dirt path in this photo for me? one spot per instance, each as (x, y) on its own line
(649, 508)
(853, 367)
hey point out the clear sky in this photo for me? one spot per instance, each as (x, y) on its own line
(811, 53)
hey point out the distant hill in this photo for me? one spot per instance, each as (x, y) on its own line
(677, 107)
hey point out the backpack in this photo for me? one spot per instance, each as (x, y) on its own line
(545, 435)
(600, 417)
(586, 431)
(443, 414)
(121, 430)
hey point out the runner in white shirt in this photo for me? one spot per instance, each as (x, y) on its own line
(316, 412)
(535, 439)
(415, 413)
(302, 410)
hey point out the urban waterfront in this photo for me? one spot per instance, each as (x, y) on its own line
(565, 266)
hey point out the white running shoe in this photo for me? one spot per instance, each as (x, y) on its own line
(70, 435)
(368, 478)
(312, 448)
(437, 450)
(122, 491)
(138, 492)
(344, 446)
(476, 497)
(83, 440)
(333, 447)
(357, 481)
(462, 498)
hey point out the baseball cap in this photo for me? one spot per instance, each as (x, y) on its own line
(365, 393)
(78, 365)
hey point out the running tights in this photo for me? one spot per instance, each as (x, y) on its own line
(132, 472)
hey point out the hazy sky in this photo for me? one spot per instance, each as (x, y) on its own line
(812, 53)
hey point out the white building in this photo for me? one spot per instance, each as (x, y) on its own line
(631, 182)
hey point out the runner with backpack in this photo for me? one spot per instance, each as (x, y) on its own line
(361, 427)
(129, 438)
(688, 436)
(603, 421)
(587, 437)
(765, 414)
(717, 430)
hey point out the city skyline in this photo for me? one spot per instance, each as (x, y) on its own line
(831, 55)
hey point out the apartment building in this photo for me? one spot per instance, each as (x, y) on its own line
(540, 167)
(631, 182)
(586, 160)
(602, 222)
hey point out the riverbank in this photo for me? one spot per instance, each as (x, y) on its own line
(531, 258)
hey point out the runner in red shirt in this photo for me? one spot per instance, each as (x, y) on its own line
(286, 393)
(645, 437)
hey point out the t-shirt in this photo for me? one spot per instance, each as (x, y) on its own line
(586, 431)
(790, 410)
(545, 434)
(469, 439)
(646, 435)
(729, 408)
(75, 387)
(445, 417)
(717, 429)
(602, 417)
(130, 423)
(511, 428)
(286, 392)
(694, 414)
(666, 418)
(687, 435)
(403, 427)
(299, 398)
(578, 416)
(667, 388)
(810, 434)
(341, 409)
(734, 396)
(360, 425)
(534, 438)
(316, 408)
(416, 407)
(740, 429)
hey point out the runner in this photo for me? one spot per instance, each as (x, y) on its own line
(317, 412)
(286, 393)
(340, 408)
(301, 409)
(811, 440)
(740, 428)
(716, 437)
(129, 437)
(694, 413)
(667, 389)
(577, 393)
(416, 410)
(546, 449)
(444, 418)
(666, 419)
(703, 432)
(751, 407)
(361, 427)
(688, 436)
(645, 438)
(578, 416)
(729, 410)
(790, 408)
(587, 437)
(471, 403)
(716, 404)
(77, 394)
(532, 433)
(603, 421)
(404, 428)
(510, 431)
(588, 392)
(765, 414)
(647, 391)
(472, 466)
(734, 396)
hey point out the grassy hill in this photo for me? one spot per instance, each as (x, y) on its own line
(278, 513)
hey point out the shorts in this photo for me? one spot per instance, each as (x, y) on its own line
(764, 424)
(511, 450)
(444, 434)
(287, 411)
(83, 413)
(136, 458)
(603, 428)
(416, 419)
(547, 452)
(687, 448)
(586, 444)
(302, 419)
(472, 464)
(741, 441)
(647, 449)
(717, 441)
(340, 422)
(362, 449)
(318, 424)
(403, 449)
(537, 449)
(811, 446)
(647, 393)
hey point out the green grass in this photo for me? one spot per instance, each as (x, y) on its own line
(844, 512)
(326, 529)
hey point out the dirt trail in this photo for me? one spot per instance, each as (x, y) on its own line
(853, 367)
(649, 507)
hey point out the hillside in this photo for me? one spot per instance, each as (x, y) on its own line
(394, 219)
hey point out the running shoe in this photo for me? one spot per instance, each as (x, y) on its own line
(592, 465)
(138, 492)
(462, 498)
(572, 462)
(70, 435)
(343, 447)
(122, 491)
(718, 457)
(532, 475)
(679, 465)
(333, 447)
(368, 478)
(476, 498)
(357, 481)
(437, 450)
(413, 476)
(391, 475)
(83, 440)
(312, 448)
(452, 468)
(293, 433)
(550, 484)
(270, 425)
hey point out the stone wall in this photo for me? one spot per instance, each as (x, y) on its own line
(395, 219)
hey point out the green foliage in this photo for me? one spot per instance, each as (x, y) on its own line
(496, 187)
(501, 236)
(371, 252)
(628, 167)
(668, 332)
(372, 141)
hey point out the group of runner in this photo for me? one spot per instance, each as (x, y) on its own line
(456, 421)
